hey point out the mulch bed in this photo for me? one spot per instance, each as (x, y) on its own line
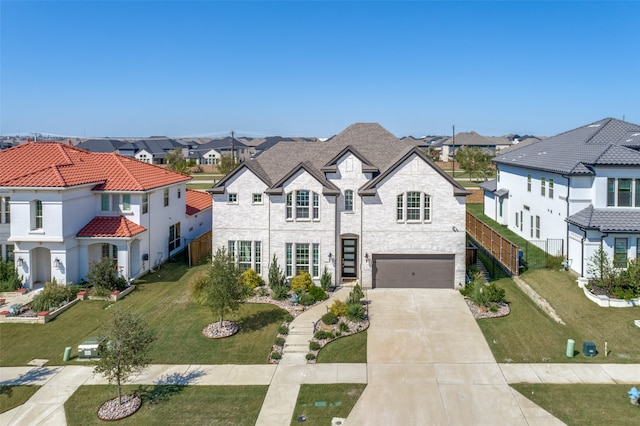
(215, 330)
(113, 410)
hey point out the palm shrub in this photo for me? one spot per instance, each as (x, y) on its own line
(9, 278)
(325, 279)
(301, 283)
(355, 312)
(356, 294)
(52, 296)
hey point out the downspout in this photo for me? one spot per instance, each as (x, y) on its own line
(361, 241)
(567, 216)
(582, 252)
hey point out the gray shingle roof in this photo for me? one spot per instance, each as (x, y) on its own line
(607, 220)
(490, 185)
(574, 151)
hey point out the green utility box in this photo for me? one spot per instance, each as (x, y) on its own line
(89, 348)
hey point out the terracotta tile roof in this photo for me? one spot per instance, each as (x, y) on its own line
(111, 226)
(52, 164)
(197, 201)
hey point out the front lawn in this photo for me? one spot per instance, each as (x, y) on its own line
(318, 404)
(13, 396)
(530, 335)
(171, 405)
(163, 298)
(349, 349)
(579, 404)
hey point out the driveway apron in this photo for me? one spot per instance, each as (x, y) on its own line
(428, 363)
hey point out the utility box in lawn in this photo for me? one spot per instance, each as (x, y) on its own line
(589, 348)
(89, 348)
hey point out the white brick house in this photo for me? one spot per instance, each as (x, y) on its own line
(363, 204)
(581, 187)
(64, 208)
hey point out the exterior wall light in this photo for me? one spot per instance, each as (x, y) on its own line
(57, 263)
(20, 261)
(366, 257)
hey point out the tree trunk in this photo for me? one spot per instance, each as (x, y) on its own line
(119, 391)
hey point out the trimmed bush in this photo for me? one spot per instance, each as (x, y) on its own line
(318, 293)
(283, 329)
(279, 341)
(301, 282)
(306, 299)
(9, 278)
(343, 327)
(105, 277)
(314, 346)
(329, 318)
(276, 355)
(322, 334)
(339, 308)
(355, 312)
(252, 279)
(287, 317)
(310, 357)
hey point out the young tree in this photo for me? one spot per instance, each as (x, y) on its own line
(277, 280)
(125, 348)
(176, 161)
(221, 289)
(475, 161)
(226, 164)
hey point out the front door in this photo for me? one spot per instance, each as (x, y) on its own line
(349, 258)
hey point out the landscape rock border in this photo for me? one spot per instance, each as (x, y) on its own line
(215, 330)
(112, 410)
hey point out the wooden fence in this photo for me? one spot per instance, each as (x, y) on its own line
(503, 250)
(200, 248)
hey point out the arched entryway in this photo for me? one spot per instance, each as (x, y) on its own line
(40, 267)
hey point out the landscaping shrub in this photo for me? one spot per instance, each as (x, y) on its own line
(307, 299)
(104, 277)
(318, 293)
(276, 355)
(9, 278)
(356, 294)
(277, 281)
(52, 296)
(618, 283)
(283, 329)
(325, 280)
(287, 317)
(310, 357)
(252, 279)
(262, 291)
(301, 282)
(339, 308)
(488, 296)
(355, 312)
(314, 346)
(338, 333)
(279, 341)
(322, 334)
(329, 318)
(280, 292)
(343, 327)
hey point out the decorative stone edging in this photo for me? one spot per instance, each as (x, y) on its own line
(114, 296)
(41, 318)
(538, 300)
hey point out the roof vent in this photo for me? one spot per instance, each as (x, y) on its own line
(594, 125)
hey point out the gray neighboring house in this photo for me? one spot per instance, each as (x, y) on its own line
(581, 187)
(492, 145)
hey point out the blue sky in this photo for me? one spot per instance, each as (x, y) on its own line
(125, 68)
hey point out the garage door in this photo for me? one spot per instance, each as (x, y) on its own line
(413, 271)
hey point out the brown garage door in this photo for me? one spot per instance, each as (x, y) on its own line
(413, 271)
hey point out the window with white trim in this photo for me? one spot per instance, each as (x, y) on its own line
(550, 188)
(247, 254)
(256, 198)
(543, 186)
(620, 252)
(126, 202)
(305, 201)
(414, 206)
(110, 251)
(10, 255)
(6, 212)
(528, 183)
(620, 192)
(232, 198)
(302, 257)
(244, 255)
(145, 203)
(36, 215)
(104, 202)
(538, 227)
(166, 197)
(174, 236)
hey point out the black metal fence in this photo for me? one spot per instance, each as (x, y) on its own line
(538, 253)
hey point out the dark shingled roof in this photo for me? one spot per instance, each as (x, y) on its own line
(575, 151)
(607, 220)
(490, 185)
(378, 149)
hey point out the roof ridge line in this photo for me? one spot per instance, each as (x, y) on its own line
(126, 169)
(599, 129)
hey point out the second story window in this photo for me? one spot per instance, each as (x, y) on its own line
(257, 198)
(37, 215)
(528, 183)
(348, 200)
(413, 206)
(620, 192)
(7, 212)
(166, 197)
(126, 202)
(145, 203)
(307, 205)
(104, 202)
(232, 198)
(543, 186)
(550, 188)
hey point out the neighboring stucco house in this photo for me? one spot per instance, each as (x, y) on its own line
(363, 204)
(581, 187)
(64, 208)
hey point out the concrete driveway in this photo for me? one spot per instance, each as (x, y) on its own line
(428, 364)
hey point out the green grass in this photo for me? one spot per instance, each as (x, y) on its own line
(320, 403)
(172, 405)
(197, 186)
(349, 349)
(206, 176)
(13, 396)
(163, 298)
(530, 335)
(579, 404)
